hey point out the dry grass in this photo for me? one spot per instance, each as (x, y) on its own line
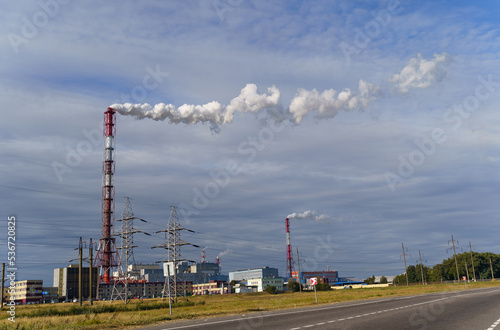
(105, 315)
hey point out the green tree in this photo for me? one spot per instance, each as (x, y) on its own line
(370, 280)
(323, 287)
(271, 290)
(383, 280)
(293, 286)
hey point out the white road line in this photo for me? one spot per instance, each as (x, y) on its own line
(494, 325)
(319, 309)
(384, 311)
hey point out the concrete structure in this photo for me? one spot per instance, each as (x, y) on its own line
(242, 288)
(199, 273)
(66, 280)
(212, 287)
(147, 272)
(329, 276)
(144, 289)
(247, 274)
(27, 292)
(50, 294)
(262, 283)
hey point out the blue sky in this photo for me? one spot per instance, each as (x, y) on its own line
(63, 63)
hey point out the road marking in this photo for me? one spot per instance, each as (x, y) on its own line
(393, 309)
(494, 325)
(316, 309)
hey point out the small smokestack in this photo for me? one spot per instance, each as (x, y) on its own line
(289, 255)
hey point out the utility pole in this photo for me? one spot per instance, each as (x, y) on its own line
(3, 277)
(467, 270)
(298, 266)
(421, 267)
(80, 277)
(404, 258)
(90, 272)
(455, 256)
(472, 261)
(492, 275)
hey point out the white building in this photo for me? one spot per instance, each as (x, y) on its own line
(262, 283)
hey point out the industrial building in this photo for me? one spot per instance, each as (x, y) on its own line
(141, 290)
(26, 292)
(260, 284)
(328, 276)
(212, 287)
(66, 280)
(247, 274)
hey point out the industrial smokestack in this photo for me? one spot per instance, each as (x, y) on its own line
(107, 256)
(289, 255)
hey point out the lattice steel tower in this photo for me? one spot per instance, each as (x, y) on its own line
(173, 245)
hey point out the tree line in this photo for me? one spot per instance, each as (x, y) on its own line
(447, 270)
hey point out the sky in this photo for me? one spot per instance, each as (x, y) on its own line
(371, 124)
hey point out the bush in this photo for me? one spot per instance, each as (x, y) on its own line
(293, 286)
(323, 287)
(271, 290)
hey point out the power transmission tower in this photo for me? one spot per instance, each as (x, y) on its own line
(454, 255)
(472, 261)
(173, 245)
(404, 258)
(127, 259)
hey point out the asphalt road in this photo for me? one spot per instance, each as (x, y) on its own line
(468, 309)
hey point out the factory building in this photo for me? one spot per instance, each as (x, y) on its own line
(26, 292)
(200, 272)
(141, 290)
(212, 287)
(247, 274)
(260, 284)
(328, 276)
(66, 280)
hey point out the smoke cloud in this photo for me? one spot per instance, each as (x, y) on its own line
(419, 73)
(328, 103)
(310, 215)
(223, 253)
(213, 113)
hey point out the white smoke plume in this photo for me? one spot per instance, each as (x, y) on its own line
(328, 103)
(223, 253)
(310, 215)
(213, 113)
(421, 73)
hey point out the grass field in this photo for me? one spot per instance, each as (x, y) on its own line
(116, 315)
